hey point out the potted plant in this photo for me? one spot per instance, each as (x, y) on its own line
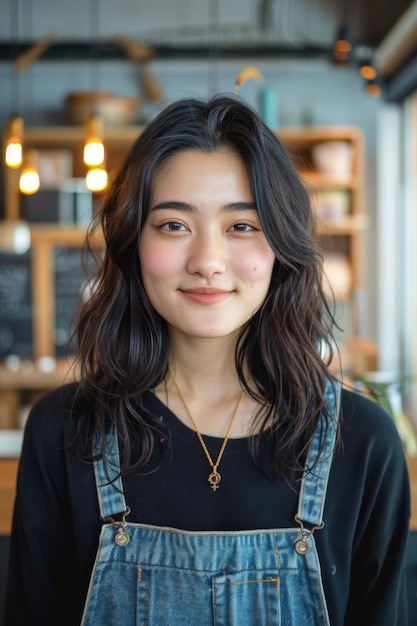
(387, 390)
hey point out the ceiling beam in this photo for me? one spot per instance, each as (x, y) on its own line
(400, 43)
(110, 51)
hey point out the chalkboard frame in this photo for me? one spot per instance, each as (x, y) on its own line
(44, 240)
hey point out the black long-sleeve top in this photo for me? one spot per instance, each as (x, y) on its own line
(57, 522)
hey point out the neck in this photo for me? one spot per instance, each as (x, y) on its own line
(205, 366)
(206, 374)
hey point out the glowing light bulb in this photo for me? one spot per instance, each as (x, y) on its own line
(96, 179)
(93, 148)
(93, 152)
(14, 154)
(14, 138)
(368, 71)
(373, 89)
(29, 178)
(29, 181)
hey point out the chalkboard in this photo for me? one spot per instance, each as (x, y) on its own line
(69, 284)
(16, 332)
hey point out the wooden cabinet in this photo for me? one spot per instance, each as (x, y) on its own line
(335, 180)
(331, 163)
(340, 233)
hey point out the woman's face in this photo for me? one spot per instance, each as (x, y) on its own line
(206, 265)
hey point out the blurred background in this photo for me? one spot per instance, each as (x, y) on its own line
(335, 79)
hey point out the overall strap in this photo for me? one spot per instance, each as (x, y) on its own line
(108, 480)
(314, 484)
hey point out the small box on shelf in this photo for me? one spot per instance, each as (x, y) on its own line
(48, 205)
(70, 203)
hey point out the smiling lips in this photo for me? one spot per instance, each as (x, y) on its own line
(206, 295)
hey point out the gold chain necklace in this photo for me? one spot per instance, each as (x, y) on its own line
(214, 477)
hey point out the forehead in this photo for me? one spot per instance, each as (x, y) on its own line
(224, 166)
(222, 155)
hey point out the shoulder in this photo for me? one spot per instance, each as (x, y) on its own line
(369, 462)
(366, 421)
(50, 417)
(53, 405)
(367, 512)
(369, 439)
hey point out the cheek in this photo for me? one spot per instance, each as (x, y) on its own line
(156, 263)
(258, 266)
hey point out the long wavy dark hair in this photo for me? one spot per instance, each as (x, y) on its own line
(123, 341)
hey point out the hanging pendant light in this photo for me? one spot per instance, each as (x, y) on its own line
(13, 152)
(372, 79)
(343, 46)
(13, 155)
(94, 148)
(29, 178)
(94, 155)
(373, 87)
(367, 70)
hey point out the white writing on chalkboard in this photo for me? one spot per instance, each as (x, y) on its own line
(14, 282)
(16, 332)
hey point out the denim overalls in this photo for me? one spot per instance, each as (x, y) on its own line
(155, 576)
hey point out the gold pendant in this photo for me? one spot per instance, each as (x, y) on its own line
(214, 479)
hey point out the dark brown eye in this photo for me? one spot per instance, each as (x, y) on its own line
(242, 227)
(173, 226)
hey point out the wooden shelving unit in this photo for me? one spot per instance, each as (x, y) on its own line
(70, 138)
(351, 226)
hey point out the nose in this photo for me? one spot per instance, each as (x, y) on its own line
(207, 255)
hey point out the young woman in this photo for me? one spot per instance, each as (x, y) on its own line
(207, 468)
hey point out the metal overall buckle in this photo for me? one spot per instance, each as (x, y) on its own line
(302, 545)
(122, 538)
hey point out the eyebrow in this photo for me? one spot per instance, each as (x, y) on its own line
(189, 208)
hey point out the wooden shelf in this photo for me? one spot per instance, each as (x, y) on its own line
(352, 224)
(30, 376)
(62, 136)
(317, 181)
(300, 138)
(53, 235)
